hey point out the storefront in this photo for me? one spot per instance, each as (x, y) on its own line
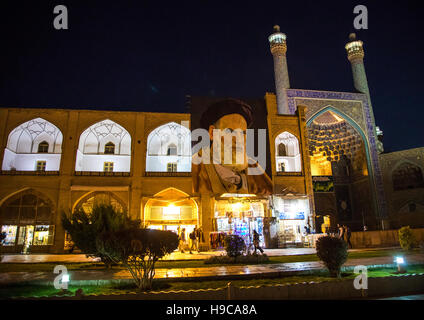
(25, 220)
(293, 215)
(240, 214)
(171, 210)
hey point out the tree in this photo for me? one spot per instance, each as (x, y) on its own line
(333, 252)
(138, 250)
(406, 238)
(84, 227)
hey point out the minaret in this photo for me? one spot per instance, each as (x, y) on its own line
(278, 47)
(355, 54)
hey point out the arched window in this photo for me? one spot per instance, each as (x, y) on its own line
(104, 141)
(100, 198)
(407, 176)
(27, 141)
(172, 150)
(43, 147)
(110, 148)
(169, 143)
(282, 150)
(287, 153)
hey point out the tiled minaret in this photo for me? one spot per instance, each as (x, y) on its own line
(278, 47)
(355, 54)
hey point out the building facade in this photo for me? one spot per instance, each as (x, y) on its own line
(322, 155)
(404, 186)
(57, 160)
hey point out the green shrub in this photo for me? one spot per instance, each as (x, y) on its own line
(242, 259)
(406, 238)
(85, 227)
(234, 245)
(333, 252)
(138, 250)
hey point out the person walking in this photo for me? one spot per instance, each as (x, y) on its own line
(341, 231)
(199, 238)
(348, 235)
(256, 242)
(182, 240)
(193, 240)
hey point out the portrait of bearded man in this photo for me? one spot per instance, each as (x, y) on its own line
(231, 117)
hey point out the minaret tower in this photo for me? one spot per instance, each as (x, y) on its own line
(278, 47)
(355, 54)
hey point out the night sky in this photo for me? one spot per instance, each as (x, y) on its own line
(148, 55)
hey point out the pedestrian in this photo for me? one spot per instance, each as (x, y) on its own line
(193, 240)
(182, 241)
(348, 235)
(199, 238)
(341, 231)
(256, 242)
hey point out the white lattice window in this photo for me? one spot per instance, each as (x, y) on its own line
(104, 141)
(28, 139)
(168, 143)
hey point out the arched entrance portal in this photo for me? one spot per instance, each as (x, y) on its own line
(171, 209)
(27, 220)
(340, 171)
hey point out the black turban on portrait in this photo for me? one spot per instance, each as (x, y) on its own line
(221, 108)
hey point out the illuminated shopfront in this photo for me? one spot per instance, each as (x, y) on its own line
(173, 210)
(240, 214)
(25, 219)
(292, 214)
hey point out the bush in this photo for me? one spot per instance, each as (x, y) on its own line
(243, 259)
(234, 245)
(333, 252)
(84, 227)
(406, 238)
(138, 250)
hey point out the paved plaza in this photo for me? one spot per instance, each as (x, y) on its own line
(205, 273)
(79, 258)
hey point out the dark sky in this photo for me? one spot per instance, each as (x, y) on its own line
(147, 55)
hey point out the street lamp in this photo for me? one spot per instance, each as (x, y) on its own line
(400, 261)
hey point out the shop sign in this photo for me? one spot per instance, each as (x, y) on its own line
(292, 215)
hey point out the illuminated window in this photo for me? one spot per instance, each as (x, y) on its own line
(172, 150)
(108, 167)
(172, 167)
(43, 235)
(10, 232)
(43, 147)
(41, 166)
(109, 148)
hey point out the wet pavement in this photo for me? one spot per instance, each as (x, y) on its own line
(78, 258)
(205, 273)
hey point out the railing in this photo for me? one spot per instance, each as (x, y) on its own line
(29, 173)
(102, 174)
(288, 173)
(168, 174)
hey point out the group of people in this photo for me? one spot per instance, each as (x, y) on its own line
(194, 237)
(344, 233)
